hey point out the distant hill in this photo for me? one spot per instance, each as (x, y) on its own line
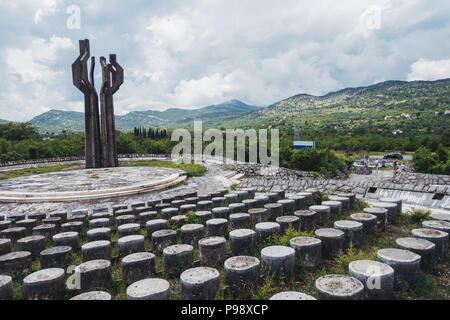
(57, 120)
(4, 121)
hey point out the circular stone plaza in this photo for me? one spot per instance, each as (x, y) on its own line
(153, 233)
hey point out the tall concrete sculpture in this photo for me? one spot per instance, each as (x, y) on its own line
(100, 147)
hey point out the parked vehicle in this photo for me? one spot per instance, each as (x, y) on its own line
(397, 156)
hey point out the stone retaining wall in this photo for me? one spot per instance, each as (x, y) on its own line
(420, 178)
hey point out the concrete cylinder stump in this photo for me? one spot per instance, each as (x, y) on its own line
(32, 244)
(60, 214)
(191, 200)
(125, 219)
(369, 221)
(281, 194)
(335, 208)
(97, 250)
(45, 284)
(251, 192)
(205, 205)
(168, 213)
(75, 226)
(100, 210)
(5, 246)
(93, 275)
(201, 283)
(242, 195)
(406, 264)
(93, 295)
(308, 219)
(135, 205)
(263, 199)
(163, 238)
(146, 216)
(15, 263)
(98, 234)
(332, 241)
(138, 266)
(300, 202)
(6, 291)
(220, 212)
(99, 223)
(5, 225)
(278, 262)
(424, 248)
(80, 218)
(217, 227)
(128, 229)
(242, 273)
(149, 289)
(257, 215)
(339, 287)
(324, 213)
(192, 233)
(308, 251)
(178, 258)
(344, 200)
(28, 224)
(179, 219)
(131, 244)
(353, 232)
(38, 216)
(288, 206)
(212, 250)
(14, 217)
(203, 215)
(14, 234)
(398, 202)
(437, 225)
(46, 230)
(218, 202)
(160, 206)
(155, 225)
(56, 257)
(391, 208)
(231, 198)
(266, 229)
(70, 239)
(291, 295)
(188, 208)
(308, 198)
(242, 241)
(239, 221)
(440, 216)
(152, 203)
(118, 207)
(80, 212)
(376, 277)
(56, 221)
(381, 214)
(124, 212)
(250, 204)
(275, 211)
(168, 199)
(237, 207)
(273, 197)
(288, 221)
(177, 203)
(439, 238)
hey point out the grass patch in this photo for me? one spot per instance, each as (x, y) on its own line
(37, 170)
(191, 169)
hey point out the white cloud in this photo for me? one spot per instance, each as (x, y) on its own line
(49, 7)
(424, 69)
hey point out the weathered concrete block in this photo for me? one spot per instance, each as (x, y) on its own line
(239, 221)
(168, 213)
(237, 207)
(278, 262)
(398, 202)
(46, 230)
(346, 203)
(200, 283)
(188, 208)
(93, 275)
(15, 263)
(273, 197)
(335, 208)
(5, 225)
(45, 284)
(38, 216)
(220, 212)
(33, 244)
(242, 273)
(178, 258)
(332, 241)
(437, 225)
(146, 216)
(191, 200)
(28, 224)
(138, 266)
(381, 214)
(300, 202)
(250, 204)
(266, 229)
(163, 238)
(377, 278)
(177, 203)
(288, 206)
(308, 197)
(93, 295)
(155, 225)
(98, 234)
(369, 221)
(75, 226)
(5, 246)
(308, 251)
(391, 208)
(212, 250)
(99, 223)
(131, 244)
(128, 229)
(192, 233)
(56, 221)
(13, 234)
(308, 219)
(6, 291)
(205, 205)
(218, 202)
(263, 199)
(204, 215)
(339, 287)
(125, 219)
(217, 227)
(231, 198)
(424, 248)
(324, 213)
(286, 221)
(60, 214)
(149, 289)
(275, 211)
(257, 215)
(439, 238)
(406, 264)
(70, 239)
(291, 295)
(353, 232)
(242, 195)
(242, 241)
(160, 206)
(97, 250)
(350, 196)
(56, 257)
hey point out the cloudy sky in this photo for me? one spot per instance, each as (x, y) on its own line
(188, 54)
